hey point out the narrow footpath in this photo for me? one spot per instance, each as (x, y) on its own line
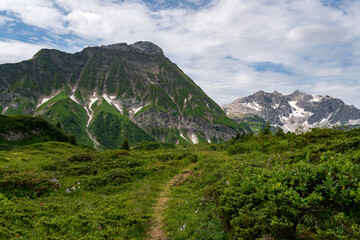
(156, 231)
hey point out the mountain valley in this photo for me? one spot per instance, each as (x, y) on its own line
(193, 170)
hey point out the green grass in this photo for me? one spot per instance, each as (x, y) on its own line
(20, 130)
(111, 128)
(22, 105)
(72, 116)
(254, 122)
(115, 191)
(191, 211)
(255, 187)
(61, 96)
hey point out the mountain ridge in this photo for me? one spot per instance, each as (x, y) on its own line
(137, 81)
(296, 111)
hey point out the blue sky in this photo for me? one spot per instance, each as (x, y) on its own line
(230, 48)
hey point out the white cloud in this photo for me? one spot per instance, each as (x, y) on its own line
(318, 43)
(39, 13)
(317, 33)
(15, 51)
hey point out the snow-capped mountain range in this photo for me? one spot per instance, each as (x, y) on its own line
(297, 111)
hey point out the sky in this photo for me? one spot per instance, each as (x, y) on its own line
(230, 48)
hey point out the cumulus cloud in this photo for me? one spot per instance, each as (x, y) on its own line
(316, 42)
(317, 33)
(15, 51)
(39, 13)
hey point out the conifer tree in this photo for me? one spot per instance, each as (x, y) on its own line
(125, 145)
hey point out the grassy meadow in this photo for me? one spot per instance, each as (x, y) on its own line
(281, 186)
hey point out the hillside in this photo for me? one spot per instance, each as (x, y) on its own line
(20, 130)
(146, 95)
(282, 186)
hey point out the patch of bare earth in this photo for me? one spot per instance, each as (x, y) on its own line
(156, 231)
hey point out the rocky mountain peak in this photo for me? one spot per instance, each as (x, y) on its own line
(146, 47)
(294, 111)
(118, 46)
(277, 93)
(141, 46)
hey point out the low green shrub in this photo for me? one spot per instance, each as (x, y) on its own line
(82, 157)
(26, 183)
(283, 201)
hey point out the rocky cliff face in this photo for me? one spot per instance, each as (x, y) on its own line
(128, 91)
(297, 111)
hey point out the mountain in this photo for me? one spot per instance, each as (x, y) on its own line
(297, 111)
(19, 130)
(106, 94)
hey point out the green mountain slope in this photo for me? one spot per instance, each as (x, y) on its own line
(72, 116)
(111, 128)
(137, 80)
(20, 130)
(255, 122)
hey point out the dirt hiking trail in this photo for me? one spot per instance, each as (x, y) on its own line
(156, 231)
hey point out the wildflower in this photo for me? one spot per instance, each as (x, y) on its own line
(99, 227)
(182, 228)
(68, 190)
(73, 188)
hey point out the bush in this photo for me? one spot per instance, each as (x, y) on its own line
(125, 145)
(27, 183)
(283, 201)
(82, 157)
(112, 177)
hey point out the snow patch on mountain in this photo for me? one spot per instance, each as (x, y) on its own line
(181, 135)
(316, 98)
(194, 138)
(44, 100)
(73, 96)
(276, 106)
(298, 111)
(353, 122)
(90, 114)
(111, 100)
(135, 110)
(253, 105)
(92, 101)
(105, 96)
